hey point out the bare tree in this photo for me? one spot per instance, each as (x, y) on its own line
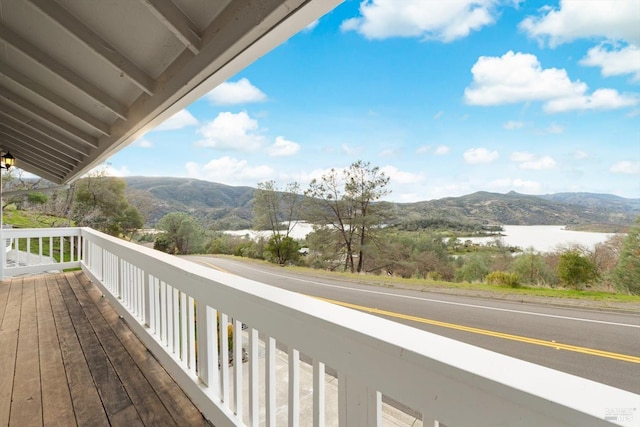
(344, 202)
(278, 211)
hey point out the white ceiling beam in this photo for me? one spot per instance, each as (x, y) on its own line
(33, 133)
(53, 98)
(17, 139)
(42, 129)
(63, 72)
(27, 152)
(41, 172)
(177, 22)
(31, 157)
(100, 46)
(37, 112)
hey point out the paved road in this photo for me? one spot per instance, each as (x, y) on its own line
(600, 345)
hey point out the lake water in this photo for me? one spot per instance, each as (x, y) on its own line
(543, 238)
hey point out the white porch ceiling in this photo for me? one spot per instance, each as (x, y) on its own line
(81, 79)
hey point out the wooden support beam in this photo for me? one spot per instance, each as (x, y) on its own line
(176, 22)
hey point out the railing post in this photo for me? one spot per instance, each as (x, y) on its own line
(358, 405)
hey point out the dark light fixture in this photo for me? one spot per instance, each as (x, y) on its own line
(7, 161)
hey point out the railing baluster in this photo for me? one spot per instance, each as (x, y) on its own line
(224, 360)
(192, 334)
(270, 398)
(318, 393)
(163, 312)
(176, 322)
(146, 299)
(184, 325)
(294, 387)
(254, 378)
(237, 367)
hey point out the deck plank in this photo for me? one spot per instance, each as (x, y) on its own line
(9, 344)
(177, 403)
(26, 405)
(84, 396)
(143, 396)
(112, 393)
(57, 409)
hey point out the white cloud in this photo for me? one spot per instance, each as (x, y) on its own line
(441, 150)
(519, 77)
(230, 171)
(554, 128)
(519, 185)
(423, 149)
(402, 177)
(350, 151)
(479, 155)
(512, 124)
(601, 99)
(580, 155)
(309, 28)
(529, 161)
(231, 131)
(283, 148)
(181, 119)
(626, 166)
(438, 115)
(389, 152)
(614, 62)
(109, 170)
(232, 93)
(575, 19)
(540, 163)
(440, 20)
(144, 143)
(521, 156)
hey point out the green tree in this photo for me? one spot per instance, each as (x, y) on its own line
(182, 234)
(345, 203)
(474, 269)
(575, 270)
(131, 221)
(100, 203)
(532, 269)
(626, 275)
(282, 248)
(277, 211)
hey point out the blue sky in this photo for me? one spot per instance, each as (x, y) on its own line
(447, 98)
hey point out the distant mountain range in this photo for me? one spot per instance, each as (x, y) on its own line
(227, 207)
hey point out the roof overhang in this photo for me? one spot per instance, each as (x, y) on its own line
(82, 79)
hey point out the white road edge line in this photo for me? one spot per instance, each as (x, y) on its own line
(577, 319)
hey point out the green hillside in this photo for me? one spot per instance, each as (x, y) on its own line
(227, 207)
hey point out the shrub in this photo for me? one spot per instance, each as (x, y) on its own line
(502, 278)
(575, 270)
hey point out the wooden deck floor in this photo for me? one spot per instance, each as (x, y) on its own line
(66, 359)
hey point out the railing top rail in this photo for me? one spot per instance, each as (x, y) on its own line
(41, 232)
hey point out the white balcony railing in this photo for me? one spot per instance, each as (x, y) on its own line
(162, 297)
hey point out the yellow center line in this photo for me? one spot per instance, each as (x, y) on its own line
(544, 343)
(208, 264)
